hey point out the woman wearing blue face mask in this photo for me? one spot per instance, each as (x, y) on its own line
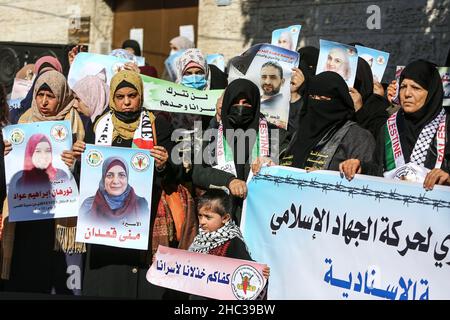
(192, 72)
(192, 69)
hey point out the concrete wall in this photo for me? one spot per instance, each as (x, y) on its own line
(409, 29)
(47, 21)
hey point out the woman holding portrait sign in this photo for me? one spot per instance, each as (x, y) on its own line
(50, 256)
(119, 272)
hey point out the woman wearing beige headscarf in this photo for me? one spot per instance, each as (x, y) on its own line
(52, 101)
(39, 243)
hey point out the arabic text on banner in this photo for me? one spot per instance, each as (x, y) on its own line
(172, 97)
(207, 275)
(327, 238)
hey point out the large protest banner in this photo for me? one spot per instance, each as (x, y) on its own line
(207, 275)
(39, 183)
(115, 197)
(172, 97)
(327, 238)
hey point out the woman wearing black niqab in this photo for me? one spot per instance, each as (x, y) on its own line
(326, 134)
(233, 148)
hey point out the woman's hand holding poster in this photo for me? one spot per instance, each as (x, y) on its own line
(115, 197)
(39, 183)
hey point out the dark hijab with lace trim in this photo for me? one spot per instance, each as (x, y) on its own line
(322, 118)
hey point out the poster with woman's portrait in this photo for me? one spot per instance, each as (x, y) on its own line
(271, 71)
(39, 184)
(286, 37)
(115, 197)
(92, 64)
(376, 59)
(339, 58)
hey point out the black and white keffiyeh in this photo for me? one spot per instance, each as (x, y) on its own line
(420, 150)
(206, 241)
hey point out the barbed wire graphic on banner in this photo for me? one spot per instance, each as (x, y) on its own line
(352, 191)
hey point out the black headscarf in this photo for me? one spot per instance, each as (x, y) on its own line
(322, 116)
(427, 76)
(309, 55)
(239, 89)
(355, 44)
(134, 45)
(219, 79)
(364, 79)
(373, 115)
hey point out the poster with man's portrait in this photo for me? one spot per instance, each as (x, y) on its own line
(286, 37)
(340, 58)
(271, 71)
(115, 197)
(92, 64)
(376, 59)
(39, 184)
